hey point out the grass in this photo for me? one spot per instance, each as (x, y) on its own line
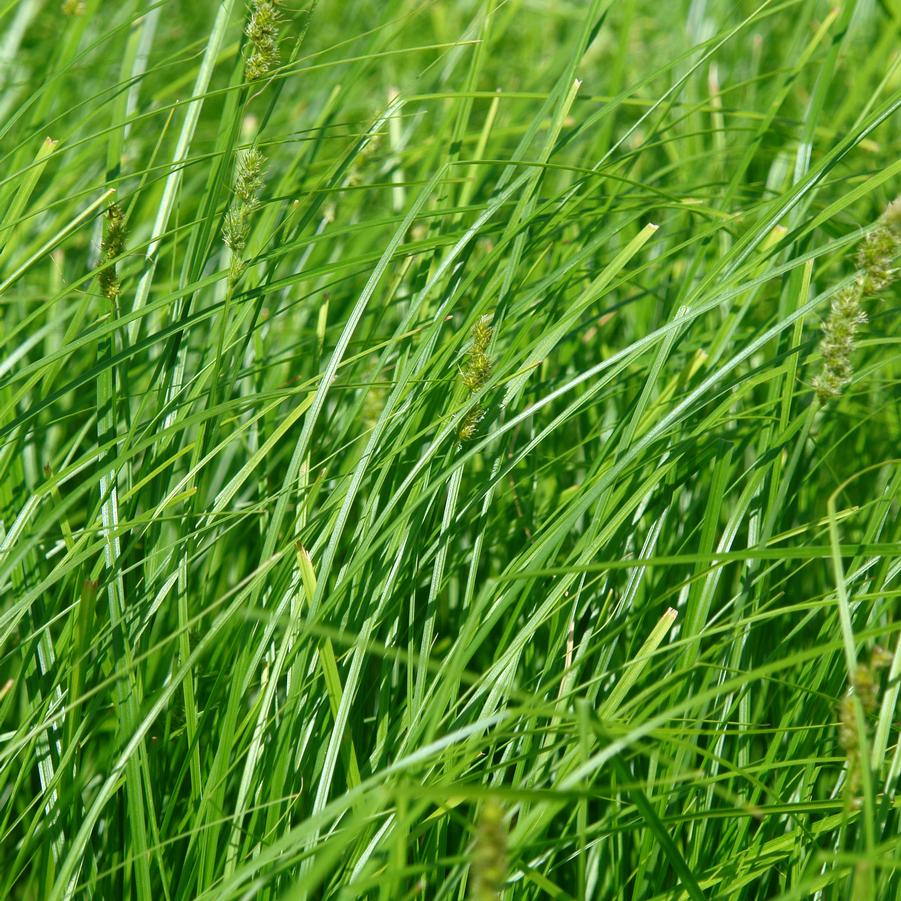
(440, 504)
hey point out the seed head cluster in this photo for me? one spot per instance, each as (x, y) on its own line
(248, 183)
(846, 316)
(877, 256)
(864, 687)
(112, 246)
(876, 264)
(489, 855)
(262, 39)
(474, 373)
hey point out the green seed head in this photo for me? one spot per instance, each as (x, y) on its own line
(489, 855)
(262, 39)
(876, 263)
(474, 373)
(476, 368)
(249, 176)
(878, 254)
(248, 183)
(112, 247)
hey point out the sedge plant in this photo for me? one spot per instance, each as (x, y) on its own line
(442, 454)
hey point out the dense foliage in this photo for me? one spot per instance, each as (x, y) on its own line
(449, 449)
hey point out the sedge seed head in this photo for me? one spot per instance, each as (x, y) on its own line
(876, 260)
(865, 687)
(112, 246)
(114, 242)
(470, 424)
(878, 254)
(489, 855)
(476, 368)
(846, 316)
(847, 724)
(234, 230)
(262, 39)
(849, 741)
(249, 176)
(249, 172)
(474, 373)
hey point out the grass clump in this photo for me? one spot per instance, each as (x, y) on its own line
(411, 480)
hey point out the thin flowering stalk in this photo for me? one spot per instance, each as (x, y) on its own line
(113, 473)
(474, 374)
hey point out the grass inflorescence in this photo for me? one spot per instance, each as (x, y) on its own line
(111, 248)
(474, 374)
(262, 32)
(877, 268)
(238, 218)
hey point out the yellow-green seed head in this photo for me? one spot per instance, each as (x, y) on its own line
(474, 373)
(248, 183)
(876, 270)
(470, 424)
(839, 330)
(112, 247)
(865, 687)
(489, 855)
(249, 175)
(847, 724)
(262, 39)
(234, 230)
(878, 255)
(476, 369)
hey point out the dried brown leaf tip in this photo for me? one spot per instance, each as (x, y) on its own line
(112, 246)
(474, 373)
(489, 853)
(876, 264)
